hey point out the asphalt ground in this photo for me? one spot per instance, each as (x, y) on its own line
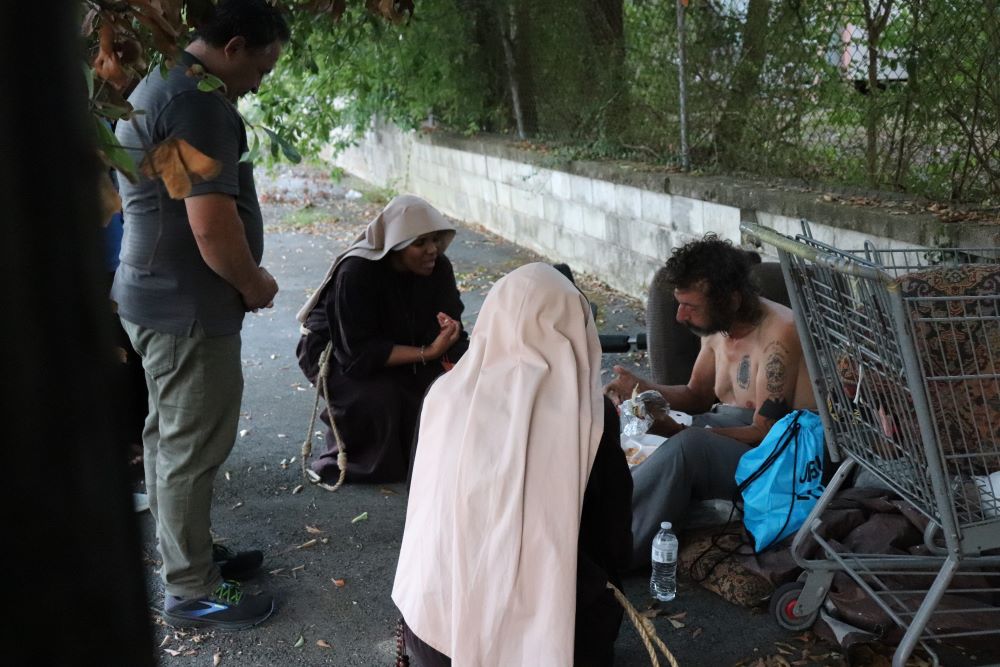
(331, 557)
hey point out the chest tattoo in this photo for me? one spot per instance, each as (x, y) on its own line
(743, 373)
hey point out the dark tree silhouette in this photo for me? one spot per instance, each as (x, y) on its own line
(74, 578)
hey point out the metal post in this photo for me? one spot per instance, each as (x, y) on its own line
(682, 86)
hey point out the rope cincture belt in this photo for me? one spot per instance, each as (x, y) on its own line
(321, 390)
(644, 626)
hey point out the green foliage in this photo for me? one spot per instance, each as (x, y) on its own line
(591, 87)
(379, 196)
(337, 75)
(307, 216)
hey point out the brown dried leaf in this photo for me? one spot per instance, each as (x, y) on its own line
(679, 616)
(172, 652)
(339, 583)
(322, 643)
(106, 63)
(216, 659)
(676, 624)
(306, 545)
(313, 530)
(177, 162)
(164, 34)
(697, 633)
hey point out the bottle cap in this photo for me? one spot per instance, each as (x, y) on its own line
(665, 525)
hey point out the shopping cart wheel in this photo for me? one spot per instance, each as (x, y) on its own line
(783, 607)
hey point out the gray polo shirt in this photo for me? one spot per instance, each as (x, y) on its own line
(162, 282)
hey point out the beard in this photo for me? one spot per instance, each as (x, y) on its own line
(717, 322)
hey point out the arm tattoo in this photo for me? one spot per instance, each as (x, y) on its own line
(775, 369)
(743, 373)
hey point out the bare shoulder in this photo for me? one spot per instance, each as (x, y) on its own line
(779, 327)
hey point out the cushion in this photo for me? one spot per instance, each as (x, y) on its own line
(729, 579)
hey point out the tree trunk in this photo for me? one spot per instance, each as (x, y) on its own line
(875, 22)
(745, 83)
(516, 48)
(606, 20)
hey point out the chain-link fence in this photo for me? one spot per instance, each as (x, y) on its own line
(900, 95)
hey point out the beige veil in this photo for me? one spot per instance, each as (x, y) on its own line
(487, 567)
(403, 219)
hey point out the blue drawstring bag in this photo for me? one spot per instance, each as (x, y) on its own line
(782, 478)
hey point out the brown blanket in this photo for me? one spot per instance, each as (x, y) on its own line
(857, 521)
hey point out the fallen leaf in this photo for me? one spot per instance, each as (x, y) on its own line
(650, 613)
(361, 517)
(322, 643)
(216, 660)
(679, 616)
(297, 489)
(339, 583)
(237, 506)
(228, 476)
(676, 624)
(278, 571)
(172, 652)
(300, 642)
(313, 530)
(697, 632)
(177, 163)
(244, 432)
(306, 545)
(387, 492)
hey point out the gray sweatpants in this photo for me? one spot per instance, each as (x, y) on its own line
(696, 464)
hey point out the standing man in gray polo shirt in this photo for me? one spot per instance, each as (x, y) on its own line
(190, 269)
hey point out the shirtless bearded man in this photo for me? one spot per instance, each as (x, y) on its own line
(748, 374)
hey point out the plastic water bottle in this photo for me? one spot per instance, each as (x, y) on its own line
(663, 581)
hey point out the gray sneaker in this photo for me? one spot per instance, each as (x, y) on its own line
(227, 608)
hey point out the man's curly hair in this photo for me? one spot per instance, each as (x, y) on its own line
(723, 269)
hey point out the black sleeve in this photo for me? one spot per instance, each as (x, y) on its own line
(606, 521)
(605, 548)
(361, 344)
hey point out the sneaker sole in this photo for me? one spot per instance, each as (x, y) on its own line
(185, 622)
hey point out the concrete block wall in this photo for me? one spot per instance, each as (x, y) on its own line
(615, 223)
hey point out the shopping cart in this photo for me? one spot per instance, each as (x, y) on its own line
(903, 348)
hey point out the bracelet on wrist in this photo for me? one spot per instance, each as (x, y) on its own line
(423, 359)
